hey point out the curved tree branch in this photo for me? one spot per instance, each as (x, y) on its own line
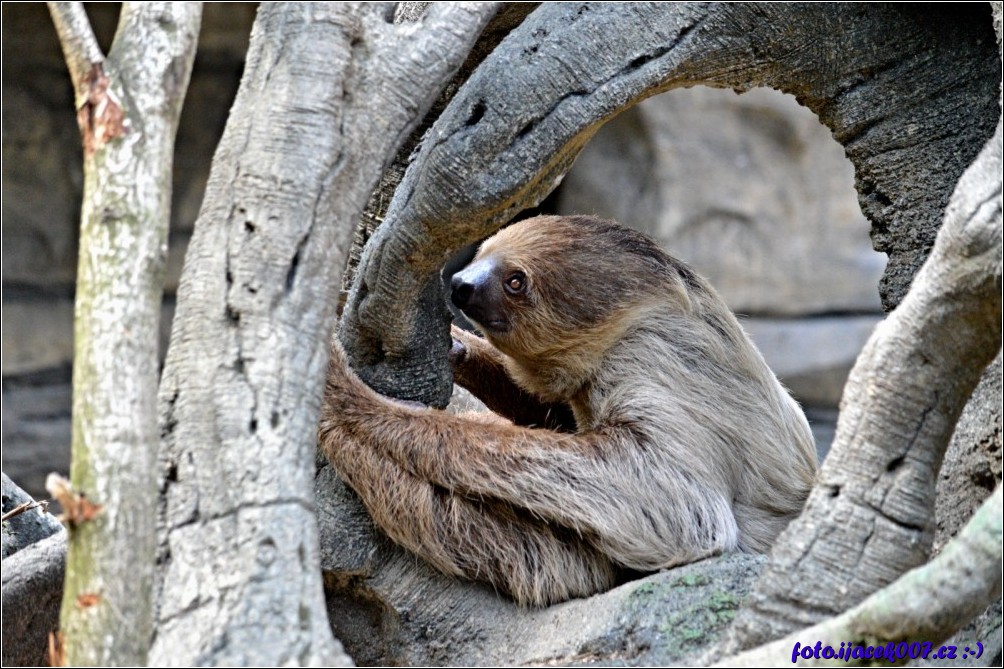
(510, 15)
(515, 127)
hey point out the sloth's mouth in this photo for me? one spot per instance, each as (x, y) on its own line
(498, 325)
(493, 325)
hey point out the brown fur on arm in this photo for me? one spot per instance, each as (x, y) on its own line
(544, 474)
(479, 538)
(478, 366)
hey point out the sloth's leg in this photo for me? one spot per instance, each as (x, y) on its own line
(480, 539)
(479, 367)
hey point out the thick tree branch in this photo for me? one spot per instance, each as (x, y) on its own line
(926, 605)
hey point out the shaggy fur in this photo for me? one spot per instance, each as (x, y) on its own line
(680, 443)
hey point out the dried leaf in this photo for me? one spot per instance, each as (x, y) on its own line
(57, 654)
(77, 509)
(88, 599)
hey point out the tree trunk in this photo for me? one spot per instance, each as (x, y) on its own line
(329, 93)
(128, 109)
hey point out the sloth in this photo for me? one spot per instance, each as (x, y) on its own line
(634, 426)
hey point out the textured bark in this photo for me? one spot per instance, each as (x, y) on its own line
(972, 467)
(34, 556)
(128, 107)
(870, 516)
(911, 115)
(926, 605)
(32, 594)
(510, 15)
(329, 93)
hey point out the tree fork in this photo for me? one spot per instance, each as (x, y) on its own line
(128, 107)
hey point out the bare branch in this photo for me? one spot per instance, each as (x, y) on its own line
(80, 47)
(25, 506)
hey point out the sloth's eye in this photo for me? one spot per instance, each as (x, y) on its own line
(516, 283)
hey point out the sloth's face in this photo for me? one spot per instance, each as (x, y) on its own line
(541, 287)
(528, 306)
(491, 293)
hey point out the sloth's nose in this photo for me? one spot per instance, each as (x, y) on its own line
(461, 291)
(468, 286)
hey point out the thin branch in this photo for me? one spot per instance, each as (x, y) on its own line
(80, 47)
(25, 506)
(924, 607)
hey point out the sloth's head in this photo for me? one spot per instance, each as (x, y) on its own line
(544, 287)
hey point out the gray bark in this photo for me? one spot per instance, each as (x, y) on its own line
(911, 116)
(510, 15)
(128, 107)
(32, 595)
(34, 555)
(972, 467)
(329, 93)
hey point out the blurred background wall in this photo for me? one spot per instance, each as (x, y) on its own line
(750, 189)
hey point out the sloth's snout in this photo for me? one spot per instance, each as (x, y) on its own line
(474, 292)
(461, 291)
(467, 287)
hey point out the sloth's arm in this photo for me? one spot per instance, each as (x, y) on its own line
(478, 455)
(535, 562)
(479, 367)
